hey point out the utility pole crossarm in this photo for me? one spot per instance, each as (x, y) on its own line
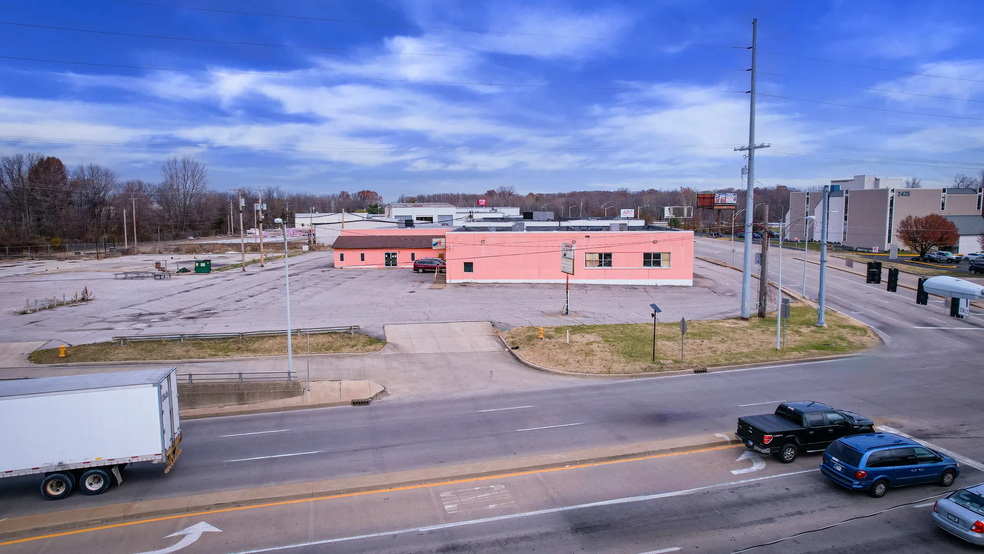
(753, 147)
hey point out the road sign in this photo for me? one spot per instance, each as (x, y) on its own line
(683, 326)
(874, 250)
(567, 258)
(481, 201)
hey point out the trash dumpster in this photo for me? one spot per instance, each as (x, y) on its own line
(203, 266)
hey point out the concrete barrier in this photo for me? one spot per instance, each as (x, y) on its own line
(214, 395)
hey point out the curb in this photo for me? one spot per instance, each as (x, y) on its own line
(195, 360)
(205, 413)
(21, 527)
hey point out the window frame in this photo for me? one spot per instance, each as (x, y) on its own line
(468, 267)
(664, 260)
(362, 256)
(341, 256)
(413, 256)
(387, 256)
(600, 260)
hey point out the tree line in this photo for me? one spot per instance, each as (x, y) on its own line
(42, 201)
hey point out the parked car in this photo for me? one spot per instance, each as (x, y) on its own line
(429, 264)
(976, 266)
(940, 257)
(799, 426)
(756, 235)
(961, 513)
(973, 256)
(877, 462)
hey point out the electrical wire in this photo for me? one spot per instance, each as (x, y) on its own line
(408, 25)
(341, 78)
(303, 47)
(871, 108)
(867, 88)
(871, 67)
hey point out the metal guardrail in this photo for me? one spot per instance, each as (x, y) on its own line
(235, 377)
(350, 329)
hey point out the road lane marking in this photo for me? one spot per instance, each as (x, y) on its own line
(467, 500)
(549, 427)
(502, 409)
(663, 551)
(253, 433)
(723, 436)
(188, 537)
(962, 459)
(495, 519)
(274, 456)
(376, 491)
(953, 328)
(925, 504)
(758, 464)
(758, 403)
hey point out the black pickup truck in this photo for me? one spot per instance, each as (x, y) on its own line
(795, 426)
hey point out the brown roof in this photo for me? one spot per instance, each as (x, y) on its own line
(382, 241)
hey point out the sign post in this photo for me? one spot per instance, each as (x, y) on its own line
(656, 310)
(567, 267)
(683, 331)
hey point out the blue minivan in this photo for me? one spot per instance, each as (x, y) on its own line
(875, 462)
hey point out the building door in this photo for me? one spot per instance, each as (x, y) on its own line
(390, 259)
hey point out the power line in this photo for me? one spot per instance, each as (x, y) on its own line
(868, 88)
(408, 25)
(873, 67)
(871, 108)
(351, 78)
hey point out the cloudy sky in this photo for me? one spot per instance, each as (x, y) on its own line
(412, 96)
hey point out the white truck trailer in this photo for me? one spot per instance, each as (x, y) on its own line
(79, 431)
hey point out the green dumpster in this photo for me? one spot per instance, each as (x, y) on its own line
(203, 266)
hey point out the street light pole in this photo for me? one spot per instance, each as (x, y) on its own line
(290, 350)
(779, 302)
(822, 294)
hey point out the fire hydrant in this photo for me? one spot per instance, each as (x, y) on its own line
(541, 332)
(61, 351)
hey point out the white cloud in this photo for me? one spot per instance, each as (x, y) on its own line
(522, 31)
(957, 79)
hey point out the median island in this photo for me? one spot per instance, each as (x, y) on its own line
(328, 343)
(627, 348)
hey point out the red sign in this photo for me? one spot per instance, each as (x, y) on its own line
(481, 201)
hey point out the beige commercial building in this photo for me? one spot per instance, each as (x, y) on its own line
(864, 213)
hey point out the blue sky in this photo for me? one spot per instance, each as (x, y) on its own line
(392, 95)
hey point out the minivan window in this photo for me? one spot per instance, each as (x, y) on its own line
(881, 458)
(969, 500)
(904, 456)
(844, 453)
(926, 456)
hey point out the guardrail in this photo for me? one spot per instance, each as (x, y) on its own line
(235, 377)
(350, 329)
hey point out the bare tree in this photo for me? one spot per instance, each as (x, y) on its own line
(961, 181)
(180, 194)
(912, 183)
(92, 188)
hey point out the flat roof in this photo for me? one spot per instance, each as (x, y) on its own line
(967, 224)
(92, 381)
(421, 205)
(383, 241)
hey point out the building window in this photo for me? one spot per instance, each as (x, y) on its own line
(891, 216)
(943, 201)
(341, 256)
(656, 259)
(389, 259)
(362, 257)
(594, 259)
(469, 267)
(413, 256)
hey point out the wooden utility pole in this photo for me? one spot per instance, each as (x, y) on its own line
(260, 210)
(134, 214)
(125, 244)
(242, 238)
(764, 278)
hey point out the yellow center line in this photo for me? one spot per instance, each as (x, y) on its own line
(366, 493)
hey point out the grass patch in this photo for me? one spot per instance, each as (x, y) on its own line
(217, 348)
(627, 348)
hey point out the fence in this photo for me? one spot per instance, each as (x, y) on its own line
(65, 250)
(235, 377)
(350, 329)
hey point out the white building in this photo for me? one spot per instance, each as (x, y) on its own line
(327, 227)
(445, 214)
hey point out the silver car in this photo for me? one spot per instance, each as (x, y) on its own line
(962, 514)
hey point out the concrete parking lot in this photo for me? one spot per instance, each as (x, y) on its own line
(321, 296)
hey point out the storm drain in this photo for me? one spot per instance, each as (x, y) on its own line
(361, 401)
(700, 370)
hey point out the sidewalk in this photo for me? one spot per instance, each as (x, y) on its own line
(193, 505)
(323, 394)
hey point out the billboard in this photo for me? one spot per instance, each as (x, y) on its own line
(567, 258)
(437, 243)
(627, 213)
(481, 201)
(725, 200)
(705, 200)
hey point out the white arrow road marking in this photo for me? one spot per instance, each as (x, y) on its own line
(758, 464)
(191, 534)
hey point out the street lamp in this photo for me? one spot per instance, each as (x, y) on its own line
(782, 234)
(733, 217)
(290, 350)
(639, 210)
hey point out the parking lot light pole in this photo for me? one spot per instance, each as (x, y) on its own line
(822, 294)
(290, 350)
(806, 248)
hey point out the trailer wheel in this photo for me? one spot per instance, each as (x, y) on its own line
(57, 486)
(94, 481)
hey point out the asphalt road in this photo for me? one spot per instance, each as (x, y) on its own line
(925, 381)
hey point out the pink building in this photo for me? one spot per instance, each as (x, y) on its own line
(629, 257)
(374, 248)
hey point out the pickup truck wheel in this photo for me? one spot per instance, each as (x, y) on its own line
(788, 453)
(57, 486)
(94, 481)
(879, 488)
(947, 478)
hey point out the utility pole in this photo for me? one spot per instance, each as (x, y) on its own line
(822, 295)
(134, 214)
(232, 226)
(764, 277)
(242, 238)
(125, 244)
(746, 274)
(261, 224)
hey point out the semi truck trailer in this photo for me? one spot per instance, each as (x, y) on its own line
(80, 431)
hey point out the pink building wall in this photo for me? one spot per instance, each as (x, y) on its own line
(534, 257)
(375, 257)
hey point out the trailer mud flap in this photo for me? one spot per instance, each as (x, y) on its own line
(116, 473)
(173, 453)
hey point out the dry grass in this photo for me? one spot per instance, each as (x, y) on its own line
(219, 348)
(627, 348)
